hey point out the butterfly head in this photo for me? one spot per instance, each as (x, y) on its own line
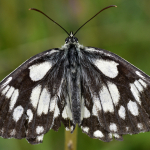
(71, 39)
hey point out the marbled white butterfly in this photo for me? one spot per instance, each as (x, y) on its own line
(96, 89)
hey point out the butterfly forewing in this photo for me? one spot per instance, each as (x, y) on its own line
(116, 95)
(32, 99)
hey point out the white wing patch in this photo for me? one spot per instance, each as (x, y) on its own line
(13, 99)
(98, 51)
(9, 92)
(30, 115)
(139, 86)
(86, 112)
(108, 68)
(6, 82)
(85, 129)
(91, 49)
(96, 105)
(106, 100)
(116, 135)
(43, 105)
(67, 113)
(52, 51)
(18, 111)
(67, 129)
(5, 90)
(98, 134)
(139, 74)
(40, 138)
(140, 125)
(127, 128)
(114, 93)
(53, 103)
(143, 83)
(113, 127)
(64, 113)
(38, 71)
(54, 107)
(135, 92)
(122, 112)
(35, 95)
(39, 129)
(133, 108)
(57, 111)
(13, 132)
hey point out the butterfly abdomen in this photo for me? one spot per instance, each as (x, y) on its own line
(73, 79)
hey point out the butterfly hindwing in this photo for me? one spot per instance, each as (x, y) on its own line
(116, 95)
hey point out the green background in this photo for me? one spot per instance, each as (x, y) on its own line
(124, 30)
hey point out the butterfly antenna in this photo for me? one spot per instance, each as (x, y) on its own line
(94, 17)
(49, 18)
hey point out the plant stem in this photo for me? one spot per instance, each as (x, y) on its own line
(71, 140)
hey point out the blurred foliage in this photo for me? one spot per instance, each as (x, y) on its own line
(124, 30)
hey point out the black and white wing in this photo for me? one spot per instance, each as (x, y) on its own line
(115, 96)
(31, 98)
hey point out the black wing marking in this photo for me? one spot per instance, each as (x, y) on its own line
(31, 98)
(115, 93)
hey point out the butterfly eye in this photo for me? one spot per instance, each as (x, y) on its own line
(67, 40)
(75, 39)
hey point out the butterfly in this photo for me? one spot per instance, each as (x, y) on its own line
(94, 88)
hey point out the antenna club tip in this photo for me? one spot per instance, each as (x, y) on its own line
(31, 8)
